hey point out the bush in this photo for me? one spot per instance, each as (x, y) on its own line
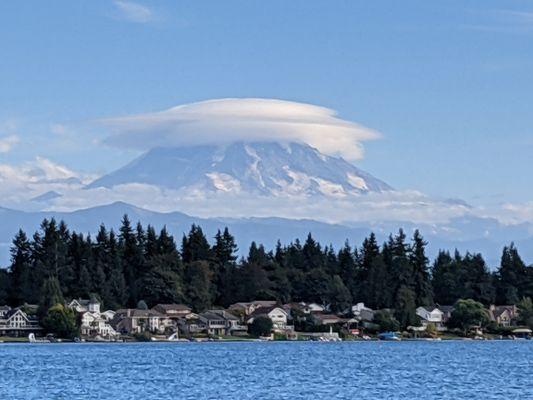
(262, 326)
(143, 336)
(61, 321)
(386, 321)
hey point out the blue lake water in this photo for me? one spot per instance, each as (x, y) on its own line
(376, 370)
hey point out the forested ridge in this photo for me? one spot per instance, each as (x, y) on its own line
(138, 263)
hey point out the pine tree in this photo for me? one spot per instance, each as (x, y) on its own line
(50, 295)
(195, 246)
(419, 262)
(21, 271)
(512, 276)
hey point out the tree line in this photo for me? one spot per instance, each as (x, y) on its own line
(134, 264)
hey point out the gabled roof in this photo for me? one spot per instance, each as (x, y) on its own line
(138, 313)
(267, 310)
(445, 309)
(11, 313)
(173, 307)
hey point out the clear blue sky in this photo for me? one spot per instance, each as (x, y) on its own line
(449, 84)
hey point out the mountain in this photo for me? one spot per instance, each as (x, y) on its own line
(466, 234)
(264, 168)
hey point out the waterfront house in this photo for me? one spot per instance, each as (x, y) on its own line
(503, 315)
(363, 313)
(248, 308)
(215, 324)
(83, 305)
(431, 316)
(96, 324)
(173, 311)
(93, 321)
(446, 313)
(220, 322)
(277, 315)
(191, 324)
(15, 322)
(305, 308)
(327, 319)
(132, 321)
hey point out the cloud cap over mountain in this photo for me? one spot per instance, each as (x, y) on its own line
(229, 120)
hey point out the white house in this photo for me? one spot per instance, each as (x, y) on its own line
(277, 315)
(81, 305)
(93, 324)
(362, 312)
(431, 316)
(15, 322)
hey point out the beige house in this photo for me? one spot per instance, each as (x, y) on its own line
(503, 315)
(132, 321)
(249, 308)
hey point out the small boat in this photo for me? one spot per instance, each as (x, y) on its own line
(389, 336)
(32, 339)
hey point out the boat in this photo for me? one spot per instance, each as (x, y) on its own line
(389, 336)
(33, 339)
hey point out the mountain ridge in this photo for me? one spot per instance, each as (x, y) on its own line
(268, 230)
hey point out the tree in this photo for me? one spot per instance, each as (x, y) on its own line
(20, 271)
(261, 326)
(340, 298)
(50, 295)
(406, 308)
(386, 321)
(195, 246)
(512, 275)
(468, 314)
(419, 262)
(525, 312)
(141, 305)
(61, 321)
(161, 284)
(197, 283)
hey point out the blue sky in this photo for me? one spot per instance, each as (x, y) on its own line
(448, 84)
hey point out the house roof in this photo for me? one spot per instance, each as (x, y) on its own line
(210, 315)
(257, 303)
(498, 311)
(445, 309)
(266, 311)
(138, 313)
(14, 311)
(325, 317)
(173, 307)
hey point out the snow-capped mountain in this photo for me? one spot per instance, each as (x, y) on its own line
(264, 168)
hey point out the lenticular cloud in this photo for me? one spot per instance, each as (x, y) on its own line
(229, 120)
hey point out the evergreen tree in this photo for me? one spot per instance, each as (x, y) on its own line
(197, 283)
(50, 295)
(340, 298)
(21, 288)
(420, 265)
(195, 246)
(511, 276)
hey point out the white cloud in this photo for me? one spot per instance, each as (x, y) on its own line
(20, 183)
(229, 120)
(7, 143)
(133, 12)
(409, 206)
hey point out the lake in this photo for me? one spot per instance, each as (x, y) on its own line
(279, 370)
